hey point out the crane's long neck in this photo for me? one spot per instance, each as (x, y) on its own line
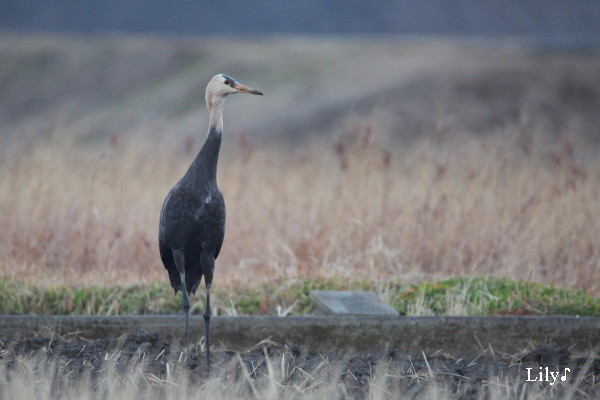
(204, 167)
(215, 109)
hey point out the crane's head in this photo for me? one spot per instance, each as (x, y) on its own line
(221, 85)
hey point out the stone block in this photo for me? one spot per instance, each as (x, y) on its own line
(339, 302)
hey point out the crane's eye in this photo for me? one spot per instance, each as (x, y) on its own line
(227, 82)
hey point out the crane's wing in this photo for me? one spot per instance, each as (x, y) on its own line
(218, 250)
(166, 255)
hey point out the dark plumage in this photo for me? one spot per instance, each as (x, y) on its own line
(192, 219)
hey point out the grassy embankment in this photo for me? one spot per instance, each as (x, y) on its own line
(461, 296)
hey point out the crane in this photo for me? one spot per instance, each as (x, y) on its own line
(192, 218)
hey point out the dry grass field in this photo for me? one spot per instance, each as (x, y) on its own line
(349, 209)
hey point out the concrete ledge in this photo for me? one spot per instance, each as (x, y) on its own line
(461, 336)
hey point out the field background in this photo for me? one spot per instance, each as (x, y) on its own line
(368, 161)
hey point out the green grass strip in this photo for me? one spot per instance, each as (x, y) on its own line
(459, 296)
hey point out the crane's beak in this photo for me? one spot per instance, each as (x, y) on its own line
(245, 89)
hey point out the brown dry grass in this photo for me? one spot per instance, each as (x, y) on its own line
(348, 209)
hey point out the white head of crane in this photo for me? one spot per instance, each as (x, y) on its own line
(218, 88)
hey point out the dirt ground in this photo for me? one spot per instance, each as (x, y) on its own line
(466, 378)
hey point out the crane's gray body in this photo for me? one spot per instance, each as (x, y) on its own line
(192, 219)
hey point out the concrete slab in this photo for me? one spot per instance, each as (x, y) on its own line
(340, 302)
(458, 336)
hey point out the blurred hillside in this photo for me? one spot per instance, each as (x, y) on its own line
(91, 88)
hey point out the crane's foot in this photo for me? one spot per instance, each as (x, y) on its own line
(191, 359)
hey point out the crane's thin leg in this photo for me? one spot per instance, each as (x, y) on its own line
(207, 314)
(186, 312)
(208, 266)
(180, 263)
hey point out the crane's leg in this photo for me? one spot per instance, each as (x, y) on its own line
(207, 314)
(208, 266)
(180, 263)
